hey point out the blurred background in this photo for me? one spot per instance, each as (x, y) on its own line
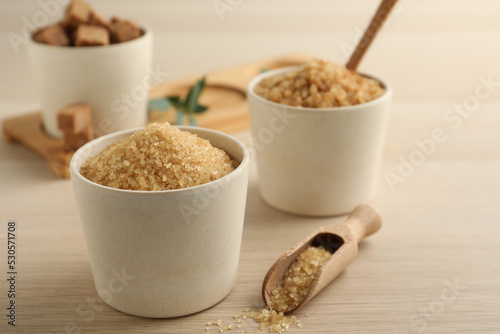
(435, 44)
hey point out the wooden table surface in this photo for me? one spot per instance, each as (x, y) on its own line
(435, 265)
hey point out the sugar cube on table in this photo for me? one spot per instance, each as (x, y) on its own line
(75, 122)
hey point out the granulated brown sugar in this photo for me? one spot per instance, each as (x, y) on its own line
(275, 321)
(295, 285)
(298, 279)
(272, 321)
(319, 84)
(158, 157)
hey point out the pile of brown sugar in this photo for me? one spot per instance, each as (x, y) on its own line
(298, 279)
(294, 287)
(319, 84)
(83, 26)
(158, 157)
(274, 322)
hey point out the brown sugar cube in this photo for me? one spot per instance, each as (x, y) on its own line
(37, 36)
(73, 142)
(77, 12)
(53, 35)
(75, 122)
(66, 158)
(91, 36)
(74, 118)
(123, 30)
(97, 19)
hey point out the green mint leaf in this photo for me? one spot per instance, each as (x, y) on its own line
(194, 94)
(192, 120)
(188, 107)
(177, 103)
(179, 119)
(200, 109)
(175, 99)
(159, 104)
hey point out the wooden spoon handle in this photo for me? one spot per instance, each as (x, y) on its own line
(378, 19)
(364, 221)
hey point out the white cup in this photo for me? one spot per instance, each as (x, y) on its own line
(112, 79)
(317, 161)
(163, 253)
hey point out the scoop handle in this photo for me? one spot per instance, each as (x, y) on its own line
(378, 19)
(364, 221)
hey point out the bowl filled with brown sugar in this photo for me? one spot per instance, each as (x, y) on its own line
(162, 211)
(319, 130)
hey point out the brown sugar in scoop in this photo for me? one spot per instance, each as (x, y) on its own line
(304, 270)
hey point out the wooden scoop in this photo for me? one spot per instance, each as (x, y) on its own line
(341, 240)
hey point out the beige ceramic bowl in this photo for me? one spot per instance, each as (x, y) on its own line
(163, 253)
(113, 79)
(317, 161)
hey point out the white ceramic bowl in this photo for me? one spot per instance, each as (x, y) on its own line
(317, 161)
(163, 253)
(113, 79)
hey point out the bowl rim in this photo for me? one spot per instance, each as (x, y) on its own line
(147, 34)
(250, 93)
(74, 172)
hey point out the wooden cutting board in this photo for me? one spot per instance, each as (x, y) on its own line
(224, 94)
